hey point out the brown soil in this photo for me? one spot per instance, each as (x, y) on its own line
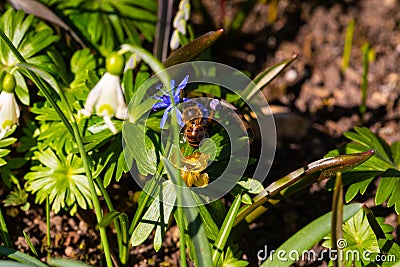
(314, 89)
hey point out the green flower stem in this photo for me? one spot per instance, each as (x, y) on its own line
(179, 193)
(86, 165)
(4, 231)
(72, 128)
(36, 80)
(117, 222)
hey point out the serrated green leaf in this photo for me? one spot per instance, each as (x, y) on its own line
(306, 237)
(357, 187)
(395, 148)
(389, 188)
(392, 253)
(383, 163)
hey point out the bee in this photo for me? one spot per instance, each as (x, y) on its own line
(197, 120)
(194, 116)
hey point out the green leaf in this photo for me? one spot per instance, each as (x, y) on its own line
(43, 74)
(140, 146)
(161, 228)
(392, 253)
(389, 189)
(226, 229)
(21, 257)
(14, 264)
(111, 216)
(66, 263)
(383, 164)
(358, 236)
(253, 186)
(107, 24)
(152, 216)
(22, 89)
(61, 178)
(306, 237)
(231, 258)
(196, 231)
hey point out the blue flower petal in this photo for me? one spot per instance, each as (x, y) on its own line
(180, 87)
(172, 83)
(165, 117)
(160, 105)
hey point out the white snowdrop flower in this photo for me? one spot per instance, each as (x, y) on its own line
(185, 6)
(107, 97)
(132, 62)
(9, 109)
(178, 17)
(174, 43)
(179, 23)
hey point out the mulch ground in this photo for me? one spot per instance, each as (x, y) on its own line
(317, 97)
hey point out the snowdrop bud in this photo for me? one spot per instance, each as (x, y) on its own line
(185, 6)
(9, 109)
(9, 83)
(179, 16)
(115, 64)
(174, 43)
(182, 26)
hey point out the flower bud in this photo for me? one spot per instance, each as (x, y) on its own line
(9, 83)
(115, 64)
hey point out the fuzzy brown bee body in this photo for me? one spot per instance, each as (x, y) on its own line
(195, 120)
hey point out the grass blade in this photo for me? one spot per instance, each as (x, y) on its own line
(4, 231)
(28, 240)
(226, 229)
(347, 45)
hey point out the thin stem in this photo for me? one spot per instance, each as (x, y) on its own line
(117, 222)
(4, 231)
(179, 193)
(72, 128)
(86, 165)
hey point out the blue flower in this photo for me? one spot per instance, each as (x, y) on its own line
(165, 101)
